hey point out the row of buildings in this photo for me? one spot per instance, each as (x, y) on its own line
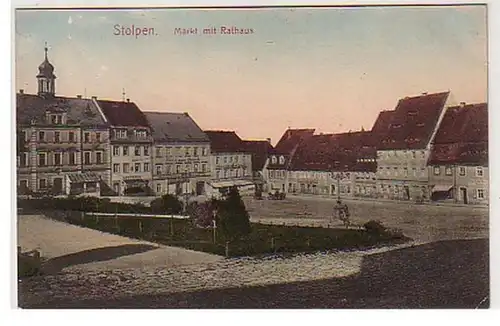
(426, 148)
(77, 145)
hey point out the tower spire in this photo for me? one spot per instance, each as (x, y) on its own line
(123, 94)
(46, 50)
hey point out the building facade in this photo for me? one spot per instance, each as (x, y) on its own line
(404, 141)
(458, 166)
(230, 164)
(181, 154)
(63, 142)
(131, 144)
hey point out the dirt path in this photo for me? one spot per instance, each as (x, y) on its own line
(69, 247)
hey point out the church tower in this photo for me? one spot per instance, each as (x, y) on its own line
(46, 77)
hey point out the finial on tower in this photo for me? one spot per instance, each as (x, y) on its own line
(123, 94)
(46, 49)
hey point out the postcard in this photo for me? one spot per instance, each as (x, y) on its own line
(264, 157)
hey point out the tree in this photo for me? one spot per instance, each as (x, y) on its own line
(233, 218)
(167, 204)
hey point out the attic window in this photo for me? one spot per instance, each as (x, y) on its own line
(396, 125)
(282, 160)
(412, 113)
(420, 124)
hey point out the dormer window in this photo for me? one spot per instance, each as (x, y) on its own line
(396, 125)
(273, 159)
(55, 119)
(121, 133)
(412, 113)
(141, 134)
(282, 160)
(420, 124)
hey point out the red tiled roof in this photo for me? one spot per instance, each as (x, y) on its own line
(412, 123)
(121, 113)
(260, 150)
(460, 153)
(468, 123)
(336, 152)
(225, 142)
(291, 138)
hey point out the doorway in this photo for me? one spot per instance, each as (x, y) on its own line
(200, 188)
(58, 186)
(463, 193)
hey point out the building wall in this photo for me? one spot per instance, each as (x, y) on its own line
(226, 166)
(51, 154)
(469, 184)
(184, 165)
(402, 174)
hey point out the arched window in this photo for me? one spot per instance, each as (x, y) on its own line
(282, 160)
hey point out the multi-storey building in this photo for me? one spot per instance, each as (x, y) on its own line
(231, 163)
(130, 141)
(404, 137)
(458, 166)
(64, 147)
(181, 154)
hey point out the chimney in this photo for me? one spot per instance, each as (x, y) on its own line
(21, 91)
(424, 93)
(94, 97)
(128, 100)
(78, 96)
(462, 104)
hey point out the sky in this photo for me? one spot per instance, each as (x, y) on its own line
(332, 69)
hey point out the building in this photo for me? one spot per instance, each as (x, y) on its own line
(181, 155)
(260, 150)
(63, 145)
(275, 171)
(458, 166)
(130, 141)
(230, 163)
(404, 136)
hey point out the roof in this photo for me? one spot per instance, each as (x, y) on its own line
(174, 127)
(352, 151)
(260, 150)
(125, 114)
(30, 107)
(291, 138)
(462, 137)
(225, 142)
(466, 123)
(412, 123)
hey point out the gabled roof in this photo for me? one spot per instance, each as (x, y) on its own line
(123, 114)
(30, 107)
(353, 151)
(260, 150)
(466, 123)
(174, 127)
(412, 123)
(291, 138)
(462, 137)
(225, 141)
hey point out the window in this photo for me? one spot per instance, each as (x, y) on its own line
(413, 154)
(41, 136)
(158, 187)
(158, 169)
(98, 157)
(42, 159)
(23, 184)
(236, 158)
(72, 158)
(116, 150)
(448, 171)
(225, 173)
(126, 167)
(480, 193)
(217, 159)
(405, 172)
(42, 183)
(23, 159)
(196, 168)
(479, 171)
(125, 150)
(186, 151)
(86, 137)
(146, 151)
(225, 159)
(178, 169)
(137, 167)
(158, 151)
(98, 137)
(141, 134)
(167, 151)
(57, 159)
(217, 174)
(120, 134)
(282, 160)
(204, 151)
(230, 159)
(86, 158)
(54, 119)
(203, 168)
(462, 171)
(57, 137)
(137, 151)
(116, 168)
(195, 151)
(273, 159)
(437, 170)
(71, 137)
(146, 167)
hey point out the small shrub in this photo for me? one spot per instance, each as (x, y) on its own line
(375, 227)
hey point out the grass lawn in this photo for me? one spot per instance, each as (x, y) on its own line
(264, 239)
